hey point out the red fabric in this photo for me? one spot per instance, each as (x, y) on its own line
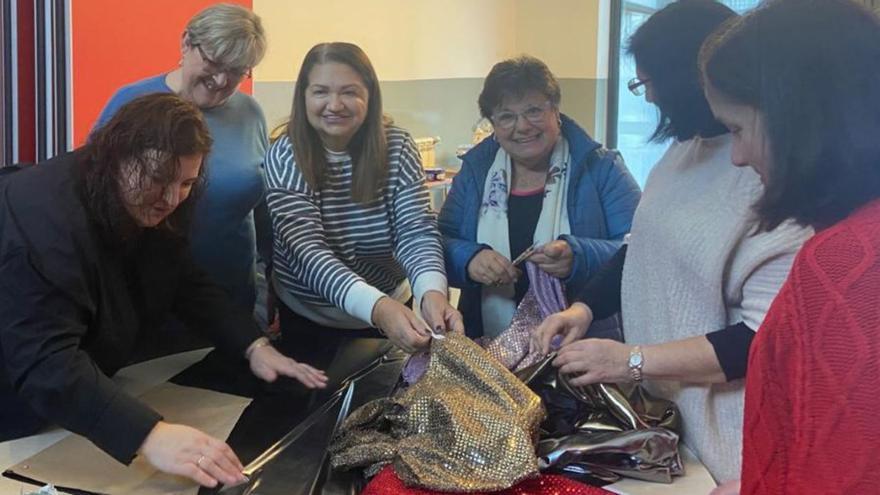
(387, 482)
(813, 385)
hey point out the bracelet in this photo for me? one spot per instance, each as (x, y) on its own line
(260, 342)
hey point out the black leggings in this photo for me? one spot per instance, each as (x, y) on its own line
(17, 419)
(311, 343)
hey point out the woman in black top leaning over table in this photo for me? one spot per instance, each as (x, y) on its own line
(93, 252)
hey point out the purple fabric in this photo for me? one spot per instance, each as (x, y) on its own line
(415, 367)
(512, 347)
(548, 290)
(545, 296)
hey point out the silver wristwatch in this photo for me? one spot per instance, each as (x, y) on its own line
(636, 362)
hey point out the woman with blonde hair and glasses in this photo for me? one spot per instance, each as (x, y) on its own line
(219, 48)
(541, 181)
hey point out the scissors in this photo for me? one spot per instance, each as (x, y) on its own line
(525, 255)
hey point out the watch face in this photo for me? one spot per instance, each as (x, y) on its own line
(635, 360)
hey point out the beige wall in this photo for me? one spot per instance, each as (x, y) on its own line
(432, 56)
(405, 39)
(562, 33)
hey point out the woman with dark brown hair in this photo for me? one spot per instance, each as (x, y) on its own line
(354, 236)
(93, 253)
(695, 280)
(797, 82)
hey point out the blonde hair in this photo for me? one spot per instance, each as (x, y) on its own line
(231, 35)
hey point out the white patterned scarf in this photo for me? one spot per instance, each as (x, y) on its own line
(492, 229)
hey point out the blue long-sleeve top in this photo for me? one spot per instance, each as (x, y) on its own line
(223, 239)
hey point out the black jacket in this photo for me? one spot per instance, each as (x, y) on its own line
(72, 306)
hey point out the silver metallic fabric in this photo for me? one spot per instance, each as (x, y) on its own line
(606, 430)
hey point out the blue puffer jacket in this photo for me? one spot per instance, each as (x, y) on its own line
(602, 198)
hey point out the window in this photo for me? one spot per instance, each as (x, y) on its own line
(633, 119)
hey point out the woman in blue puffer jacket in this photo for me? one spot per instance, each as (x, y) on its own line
(539, 181)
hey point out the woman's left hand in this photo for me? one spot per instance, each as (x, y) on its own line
(439, 314)
(594, 361)
(555, 258)
(268, 364)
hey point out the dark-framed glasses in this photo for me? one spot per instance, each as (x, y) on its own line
(215, 68)
(534, 114)
(638, 86)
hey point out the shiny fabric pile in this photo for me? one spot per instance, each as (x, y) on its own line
(601, 432)
(468, 425)
(387, 482)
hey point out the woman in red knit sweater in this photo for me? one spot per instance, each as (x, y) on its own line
(798, 84)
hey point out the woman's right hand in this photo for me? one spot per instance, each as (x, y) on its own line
(400, 325)
(571, 323)
(185, 451)
(490, 268)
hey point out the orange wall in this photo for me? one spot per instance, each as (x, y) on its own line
(118, 42)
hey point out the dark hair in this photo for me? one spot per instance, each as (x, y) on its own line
(368, 147)
(665, 49)
(515, 77)
(811, 68)
(148, 135)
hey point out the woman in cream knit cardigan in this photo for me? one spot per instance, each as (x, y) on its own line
(695, 280)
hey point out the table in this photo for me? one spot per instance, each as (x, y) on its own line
(136, 379)
(302, 420)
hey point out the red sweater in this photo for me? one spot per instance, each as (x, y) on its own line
(813, 387)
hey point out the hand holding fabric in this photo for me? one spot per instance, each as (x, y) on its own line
(594, 361)
(268, 364)
(490, 268)
(571, 323)
(555, 258)
(439, 314)
(185, 451)
(400, 325)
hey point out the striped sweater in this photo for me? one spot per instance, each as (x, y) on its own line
(331, 253)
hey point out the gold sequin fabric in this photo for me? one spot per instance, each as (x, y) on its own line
(467, 425)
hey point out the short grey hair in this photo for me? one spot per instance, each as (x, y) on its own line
(231, 35)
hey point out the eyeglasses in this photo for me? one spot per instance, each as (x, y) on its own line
(215, 68)
(534, 115)
(638, 86)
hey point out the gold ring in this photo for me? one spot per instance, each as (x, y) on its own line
(199, 462)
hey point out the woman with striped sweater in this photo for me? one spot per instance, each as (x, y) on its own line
(354, 237)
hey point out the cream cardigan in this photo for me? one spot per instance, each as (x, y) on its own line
(694, 265)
